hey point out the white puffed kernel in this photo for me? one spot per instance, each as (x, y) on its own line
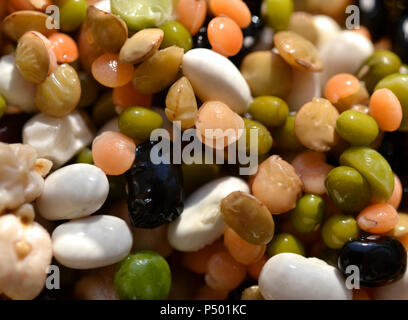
(215, 78)
(201, 222)
(19, 181)
(17, 91)
(289, 276)
(26, 252)
(72, 192)
(91, 242)
(58, 139)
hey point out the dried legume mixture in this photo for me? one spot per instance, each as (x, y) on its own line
(321, 106)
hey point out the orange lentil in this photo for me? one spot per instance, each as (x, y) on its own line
(224, 273)
(197, 261)
(241, 250)
(396, 196)
(254, 269)
(237, 10)
(127, 96)
(341, 86)
(64, 47)
(386, 109)
(113, 152)
(108, 71)
(377, 218)
(207, 293)
(192, 13)
(225, 36)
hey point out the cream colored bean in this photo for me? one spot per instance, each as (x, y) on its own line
(401, 229)
(252, 293)
(201, 222)
(315, 125)
(215, 78)
(26, 252)
(277, 185)
(289, 276)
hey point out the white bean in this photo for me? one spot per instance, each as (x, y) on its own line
(344, 53)
(289, 276)
(215, 78)
(17, 91)
(74, 191)
(91, 242)
(201, 222)
(327, 28)
(58, 139)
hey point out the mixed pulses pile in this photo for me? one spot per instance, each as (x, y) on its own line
(83, 86)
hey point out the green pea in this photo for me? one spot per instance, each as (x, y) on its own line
(104, 109)
(175, 34)
(285, 135)
(270, 111)
(144, 275)
(379, 65)
(357, 128)
(398, 83)
(339, 229)
(3, 105)
(308, 213)
(373, 167)
(85, 156)
(138, 123)
(277, 13)
(285, 242)
(89, 89)
(141, 14)
(198, 174)
(72, 14)
(265, 139)
(348, 189)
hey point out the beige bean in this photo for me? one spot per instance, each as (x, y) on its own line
(277, 185)
(108, 30)
(33, 57)
(312, 169)
(298, 51)
(248, 217)
(159, 71)
(315, 125)
(26, 252)
(267, 74)
(19, 22)
(59, 94)
(141, 46)
(181, 103)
